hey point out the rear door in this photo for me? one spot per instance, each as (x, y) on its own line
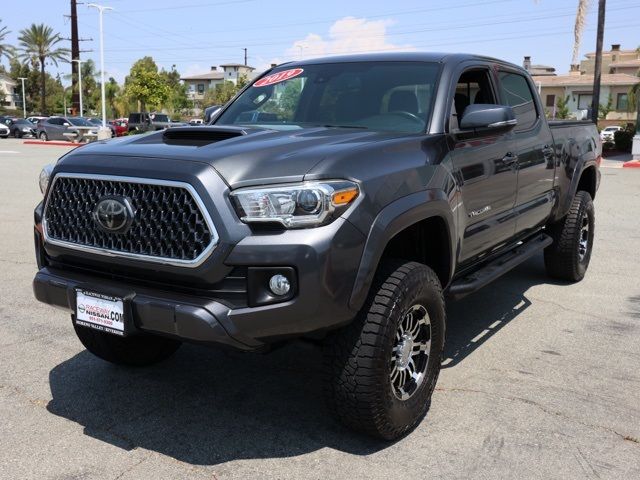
(534, 145)
(483, 163)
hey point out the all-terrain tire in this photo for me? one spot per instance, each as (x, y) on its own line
(136, 350)
(567, 258)
(359, 358)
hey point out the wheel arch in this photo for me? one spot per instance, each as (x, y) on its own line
(419, 227)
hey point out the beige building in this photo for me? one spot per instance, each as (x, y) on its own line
(198, 84)
(620, 70)
(9, 96)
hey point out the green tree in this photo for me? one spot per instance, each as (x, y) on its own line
(604, 110)
(6, 50)
(111, 93)
(177, 101)
(145, 85)
(562, 108)
(40, 43)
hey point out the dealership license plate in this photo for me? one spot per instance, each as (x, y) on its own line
(101, 312)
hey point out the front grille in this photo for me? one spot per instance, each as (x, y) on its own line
(168, 222)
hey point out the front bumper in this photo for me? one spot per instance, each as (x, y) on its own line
(324, 260)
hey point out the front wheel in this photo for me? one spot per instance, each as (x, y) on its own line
(567, 258)
(383, 367)
(136, 350)
(43, 136)
(17, 134)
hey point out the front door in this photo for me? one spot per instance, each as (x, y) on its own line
(485, 166)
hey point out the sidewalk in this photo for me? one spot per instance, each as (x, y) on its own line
(616, 161)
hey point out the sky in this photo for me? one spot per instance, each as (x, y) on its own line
(194, 35)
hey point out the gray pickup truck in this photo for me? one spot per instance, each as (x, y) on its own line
(339, 200)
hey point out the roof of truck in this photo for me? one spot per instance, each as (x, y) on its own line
(397, 56)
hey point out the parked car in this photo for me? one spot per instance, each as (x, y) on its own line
(76, 129)
(35, 119)
(607, 134)
(4, 131)
(119, 126)
(7, 119)
(21, 128)
(145, 122)
(386, 182)
(210, 112)
(98, 123)
(195, 121)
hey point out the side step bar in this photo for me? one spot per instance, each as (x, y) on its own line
(498, 267)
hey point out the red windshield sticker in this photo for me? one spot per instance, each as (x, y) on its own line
(278, 77)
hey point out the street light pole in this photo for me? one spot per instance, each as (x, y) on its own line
(104, 132)
(24, 101)
(79, 62)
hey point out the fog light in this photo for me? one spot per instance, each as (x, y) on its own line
(279, 285)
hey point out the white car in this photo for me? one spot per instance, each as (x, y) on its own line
(4, 130)
(607, 133)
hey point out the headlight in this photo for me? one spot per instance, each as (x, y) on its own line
(45, 175)
(308, 204)
(26, 129)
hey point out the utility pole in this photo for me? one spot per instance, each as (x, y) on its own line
(104, 132)
(79, 63)
(75, 53)
(24, 101)
(245, 57)
(597, 74)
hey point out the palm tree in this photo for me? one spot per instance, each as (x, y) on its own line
(581, 20)
(6, 50)
(39, 42)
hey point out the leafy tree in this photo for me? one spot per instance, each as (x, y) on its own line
(40, 43)
(6, 50)
(223, 92)
(145, 85)
(111, 93)
(604, 110)
(562, 108)
(178, 99)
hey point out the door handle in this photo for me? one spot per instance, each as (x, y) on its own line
(509, 159)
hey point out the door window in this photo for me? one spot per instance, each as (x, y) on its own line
(516, 92)
(472, 87)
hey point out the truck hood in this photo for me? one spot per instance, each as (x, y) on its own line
(241, 156)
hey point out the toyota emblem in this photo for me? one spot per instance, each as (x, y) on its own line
(113, 214)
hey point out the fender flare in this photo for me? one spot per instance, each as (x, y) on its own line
(394, 218)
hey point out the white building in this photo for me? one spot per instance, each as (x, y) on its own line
(9, 95)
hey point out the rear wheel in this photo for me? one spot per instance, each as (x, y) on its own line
(567, 258)
(43, 136)
(383, 367)
(136, 350)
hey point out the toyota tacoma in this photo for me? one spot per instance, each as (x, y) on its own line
(339, 200)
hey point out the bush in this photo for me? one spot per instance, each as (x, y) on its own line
(624, 138)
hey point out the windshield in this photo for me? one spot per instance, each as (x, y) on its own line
(23, 122)
(79, 122)
(392, 96)
(158, 117)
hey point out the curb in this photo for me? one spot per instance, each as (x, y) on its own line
(632, 164)
(54, 143)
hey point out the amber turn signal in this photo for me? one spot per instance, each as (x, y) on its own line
(344, 197)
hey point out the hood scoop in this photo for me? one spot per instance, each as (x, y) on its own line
(200, 136)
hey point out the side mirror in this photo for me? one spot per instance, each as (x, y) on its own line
(66, 124)
(482, 115)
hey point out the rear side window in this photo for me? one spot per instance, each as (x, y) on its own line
(516, 92)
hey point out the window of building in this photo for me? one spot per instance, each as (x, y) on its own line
(516, 92)
(551, 101)
(622, 102)
(201, 88)
(584, 101)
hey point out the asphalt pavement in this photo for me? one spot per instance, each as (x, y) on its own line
(541, 379)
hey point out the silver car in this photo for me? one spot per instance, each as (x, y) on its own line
(73, 129)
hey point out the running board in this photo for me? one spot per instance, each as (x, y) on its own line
(498, 267)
